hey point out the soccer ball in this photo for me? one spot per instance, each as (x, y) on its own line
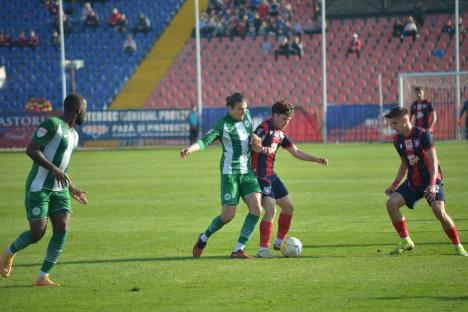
(291, 247)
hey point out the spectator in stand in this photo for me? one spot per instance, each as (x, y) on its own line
(130, 45)
(312, 27)
(243, 27)
(398, 28)
(87, 9)
(114, 17)
(262, 9)
(67, 24)
(286, 11)
(273, 9)
(22, 41)
(38, 105)
(5, 40)
(55, 39)
(448, 29)
(91, 20)
(257, 23)
(297, 48)
(122, 24)
(410, 29)
(266, 45)
(355, 46)
(33, 40)
(143, 25)
(419, 14)
(283, 49)
(298, 31)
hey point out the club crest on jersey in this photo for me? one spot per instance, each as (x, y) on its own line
(227, 196)
(246, 123)
(41, 132)
(409, 144)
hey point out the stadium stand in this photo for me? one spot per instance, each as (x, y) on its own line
(36, 73)
(230, 65)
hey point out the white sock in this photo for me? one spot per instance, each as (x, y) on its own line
(42, 274)
(262, 248)
(204, 238)
(239, 246)
(278, 241)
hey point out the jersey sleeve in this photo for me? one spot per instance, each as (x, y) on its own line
(395, 144)
(212, 135)
(262, 130)
(45, 132)
(286, 142)
(426, 141)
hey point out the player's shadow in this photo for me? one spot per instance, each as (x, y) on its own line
(130, 260)
(368, 245)
(440, 298)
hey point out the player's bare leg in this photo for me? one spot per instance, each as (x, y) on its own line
(438, 208)
(284, 220)
(266, 227)
(394, 204)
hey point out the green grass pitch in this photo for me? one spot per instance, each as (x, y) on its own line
(130, 248)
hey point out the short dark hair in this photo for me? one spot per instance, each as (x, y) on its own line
(233, 99)
(397, 112)
(282, 107)
(73, 103)
(417, 89)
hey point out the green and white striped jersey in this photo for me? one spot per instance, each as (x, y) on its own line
(58, 141)
(235, 137)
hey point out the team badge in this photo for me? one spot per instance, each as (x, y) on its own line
(36, 211)
(409, 144)
(41, 132)
(227, 196)
(267, 190)
(246, 123)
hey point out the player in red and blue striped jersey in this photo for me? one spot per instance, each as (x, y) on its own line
(273, 190)
(422, 114)
(423, 179)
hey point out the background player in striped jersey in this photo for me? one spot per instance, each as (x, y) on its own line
(422, 114)
(273, 190)
(48, 188)
(237, 179)
(423, 179)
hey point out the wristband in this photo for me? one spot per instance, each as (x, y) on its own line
(396, 183)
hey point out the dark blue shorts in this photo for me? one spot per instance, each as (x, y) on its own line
(272, 187)
(412, 194)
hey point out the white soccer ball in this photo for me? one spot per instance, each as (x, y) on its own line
(291, 247)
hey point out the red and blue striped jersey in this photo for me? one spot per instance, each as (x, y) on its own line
(262, 164)
(421, 111)
(413, 148)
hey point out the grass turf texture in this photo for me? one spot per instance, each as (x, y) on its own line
(130, 248)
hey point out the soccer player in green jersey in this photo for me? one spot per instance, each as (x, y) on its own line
(48, 188)
(237, 178)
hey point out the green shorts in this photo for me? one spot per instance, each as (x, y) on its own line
(235, 185)
(42, 204)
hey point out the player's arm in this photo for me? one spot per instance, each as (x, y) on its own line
(34, 151)
(400, 175)
(430, 192)
(206, 140)
(299, 154)
(432, 120)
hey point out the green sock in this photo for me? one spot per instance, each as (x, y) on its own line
(55, 248)
(23, 241)
(248, 228)
(215, 225)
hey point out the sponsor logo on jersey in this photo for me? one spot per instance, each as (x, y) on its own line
(41, 132)
(36, 211)
(413, 160)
